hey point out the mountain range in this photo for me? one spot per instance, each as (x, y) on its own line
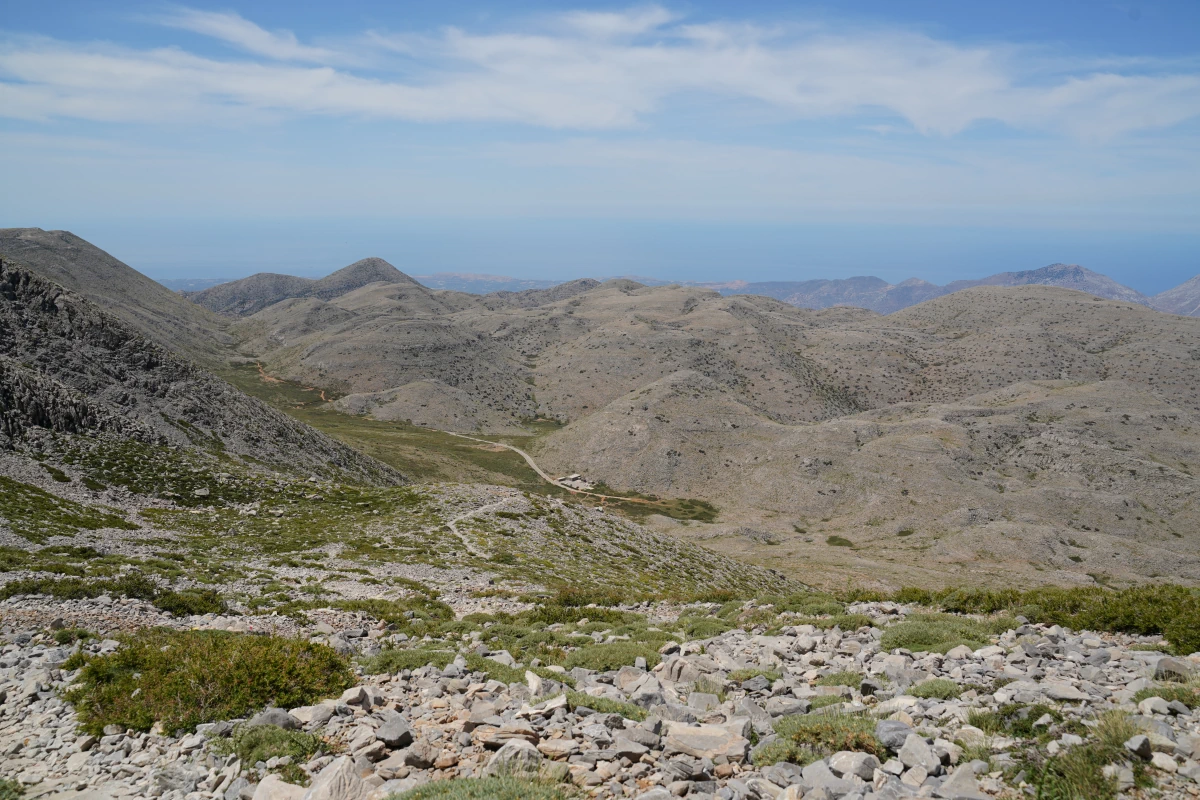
(1007, 428)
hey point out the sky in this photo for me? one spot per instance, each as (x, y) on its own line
(693, 141)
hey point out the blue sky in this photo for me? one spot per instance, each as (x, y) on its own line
(701, 141)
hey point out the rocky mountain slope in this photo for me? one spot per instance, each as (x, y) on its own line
(150, 308)
(248, 295)
(69, 367)
(1183, 299)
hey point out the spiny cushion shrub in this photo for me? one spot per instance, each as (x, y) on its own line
(1166, 609)
(184, 678)
(487, 789)
(605, 657)
(936, 689)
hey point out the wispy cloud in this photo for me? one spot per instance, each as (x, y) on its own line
(591, 71)
(233, 29)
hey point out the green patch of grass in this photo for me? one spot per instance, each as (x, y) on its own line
(1078, 773)
(37, 515)
(816, 736)
(1014, 719)
(184, 678)
(825, 701)
(844, 678)
(488, 789)
(257, 743)
(838, 541)
(782, 749)
(605, 657)
(936, 689)
(938, 633)
(743, 675)
(604, 705)
(1188, 695)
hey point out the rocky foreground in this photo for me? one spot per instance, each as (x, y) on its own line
(694, 725)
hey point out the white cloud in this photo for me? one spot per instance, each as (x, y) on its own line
(591, 71)
(234, 29)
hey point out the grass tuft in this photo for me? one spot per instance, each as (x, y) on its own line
(936, 689)
(487, 789)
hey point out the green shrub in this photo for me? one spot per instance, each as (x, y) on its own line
(938, 633)
(844, 678)
(392, 661)
(498, 672)
(936, 689)
(703, 627)
(782, 749)
(257, 743)
(819, 735)
(839, 541)
(1167, 609)
(847, 622)
(604, 705)
(191, 601)
(184, 678)
(10, 789)
(71, 635)
(487, 789)
(605, 657)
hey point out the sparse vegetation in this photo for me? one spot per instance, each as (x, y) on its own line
(938, 633)
(815, 736)
(488, 789)
(936, 689)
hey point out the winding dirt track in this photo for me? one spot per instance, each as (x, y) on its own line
(545, 476)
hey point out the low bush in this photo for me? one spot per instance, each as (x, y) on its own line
(67, 636)
(391, 661)
(498, 672)
(703, 627)
(604, 705)
(936, 689)
(253, 744)
(938, 633)
(487, 789)
(816, 736)
(10, 789)
(184, 678)
(1166, 609)
(605, 657)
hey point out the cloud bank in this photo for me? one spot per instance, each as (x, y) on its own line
(591, 71)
